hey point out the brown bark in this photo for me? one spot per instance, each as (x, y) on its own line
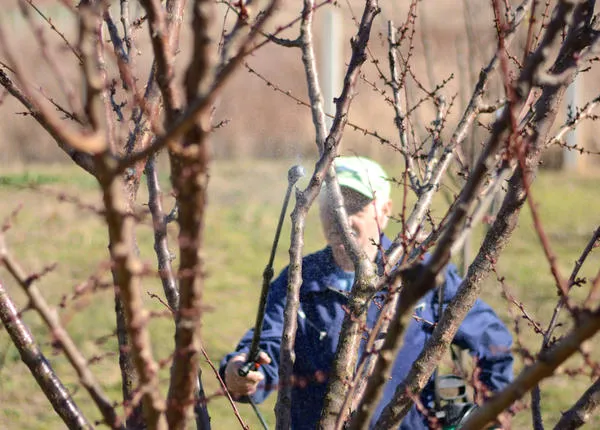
(129, 377)
(39, 366)
(126, 271)
(581, 411)
(138, 368)
(190, 179)
(190, 175)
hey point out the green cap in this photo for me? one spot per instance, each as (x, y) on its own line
(362, 175)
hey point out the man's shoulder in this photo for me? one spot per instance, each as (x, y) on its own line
(314, 265)
(319, 257)
(317, 264)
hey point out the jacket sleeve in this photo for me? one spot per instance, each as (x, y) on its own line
(486, 337)
(270, 339)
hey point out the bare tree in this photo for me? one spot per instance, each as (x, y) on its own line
(124, 116)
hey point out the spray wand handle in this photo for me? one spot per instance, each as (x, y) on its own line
(294, 174)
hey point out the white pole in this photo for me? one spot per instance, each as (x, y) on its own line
(570, 157)
(331, 60)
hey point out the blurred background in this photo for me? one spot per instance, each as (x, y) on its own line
(451, 42)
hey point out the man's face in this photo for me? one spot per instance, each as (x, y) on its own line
(367, 219)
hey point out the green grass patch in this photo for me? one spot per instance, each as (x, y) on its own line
(28, 179)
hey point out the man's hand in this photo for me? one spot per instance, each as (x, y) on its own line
(238, 385)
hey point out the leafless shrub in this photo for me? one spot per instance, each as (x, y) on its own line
(111, 117)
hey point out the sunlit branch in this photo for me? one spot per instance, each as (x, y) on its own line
(163, 56)
(224, 388)
(72, 352)
(287, 354)
(414, 222)
(437, 146)
(346, 354)
(580, 413)
(40, 368)
(423, 203)
(81, 158)
(53, 28)
(399, 119)
(586, 112)
(78, 140)
(544, 367)
(484, 201)
(58, 71)
(301, 102)
(159, 221)
(204, 99)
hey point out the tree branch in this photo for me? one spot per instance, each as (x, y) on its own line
(127, 270)
(161, 246)
(346, 355)
(424, 201)
(441, 254)
(190, 175)
(38, 365)
(72, 352)
(82, 159)
(580, 412)
(78, 140)
(163, 56)
(303, 201)
(400, 118)
(544, 367)
(543, 116)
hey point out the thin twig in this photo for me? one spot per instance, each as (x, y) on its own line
(54, 29)
(224, 388)
(571, 281)
(301, 102)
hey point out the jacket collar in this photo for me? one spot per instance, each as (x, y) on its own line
(324, 274)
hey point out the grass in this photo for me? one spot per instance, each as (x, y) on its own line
(244, 203)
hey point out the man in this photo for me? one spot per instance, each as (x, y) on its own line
(328, 276)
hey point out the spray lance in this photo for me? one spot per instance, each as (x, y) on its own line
(294, 174)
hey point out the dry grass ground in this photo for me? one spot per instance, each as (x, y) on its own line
(245, 198)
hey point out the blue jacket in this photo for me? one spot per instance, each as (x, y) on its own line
(323, 295)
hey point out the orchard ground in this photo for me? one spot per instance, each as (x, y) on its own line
(57, 223)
